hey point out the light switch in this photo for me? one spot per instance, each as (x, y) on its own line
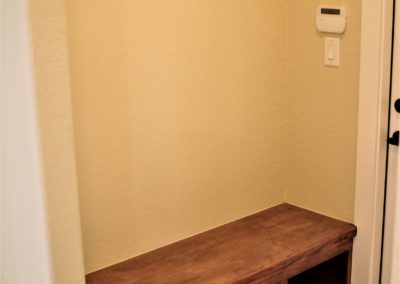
(332, 51)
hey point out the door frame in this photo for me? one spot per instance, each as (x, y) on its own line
(25, 255)
(40, 231)
(376, 43)
(388, 265)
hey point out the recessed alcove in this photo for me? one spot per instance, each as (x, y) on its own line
(191, 114)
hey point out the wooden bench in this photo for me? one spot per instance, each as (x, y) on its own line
(283, 244)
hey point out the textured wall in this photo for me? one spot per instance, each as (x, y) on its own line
(54, 104)
(179, 118)
(322, 113)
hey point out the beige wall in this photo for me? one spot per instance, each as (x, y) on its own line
(322, 113)
(189, 114)
(179, 110)
(54, 104)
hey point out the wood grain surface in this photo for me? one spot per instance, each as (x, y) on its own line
(268, 247)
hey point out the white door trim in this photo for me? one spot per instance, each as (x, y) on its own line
(391, 239)
(376, 35)
(25, 251)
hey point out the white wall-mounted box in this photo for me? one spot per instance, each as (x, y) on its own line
(331, 19)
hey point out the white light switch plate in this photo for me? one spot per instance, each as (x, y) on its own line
(332, 51)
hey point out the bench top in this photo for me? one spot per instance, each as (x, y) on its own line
(267, 247)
